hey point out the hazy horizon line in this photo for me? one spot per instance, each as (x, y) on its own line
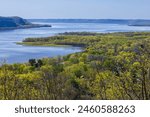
(83, 18)
(91, 18)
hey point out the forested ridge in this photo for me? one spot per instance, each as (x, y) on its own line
(11, 23)
(112, 66)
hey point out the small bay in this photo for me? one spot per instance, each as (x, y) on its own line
(13, 53)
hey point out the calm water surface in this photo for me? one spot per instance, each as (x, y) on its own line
(13, 53)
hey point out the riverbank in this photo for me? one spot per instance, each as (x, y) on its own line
(113, 67)
(39, 44)
(24, 27)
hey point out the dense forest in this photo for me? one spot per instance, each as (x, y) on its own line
(112, 66)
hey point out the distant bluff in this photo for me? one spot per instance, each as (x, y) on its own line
(7, 23)
(13, 22)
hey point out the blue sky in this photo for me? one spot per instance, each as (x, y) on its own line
(89, 9)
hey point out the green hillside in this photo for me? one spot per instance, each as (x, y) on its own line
(111, 66)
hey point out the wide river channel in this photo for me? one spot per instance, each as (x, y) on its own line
(13, 53)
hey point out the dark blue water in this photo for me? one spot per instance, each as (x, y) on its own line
(13, 53)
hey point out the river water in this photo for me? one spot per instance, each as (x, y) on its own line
(13, 53)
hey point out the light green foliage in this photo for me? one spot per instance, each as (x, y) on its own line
(112, 66)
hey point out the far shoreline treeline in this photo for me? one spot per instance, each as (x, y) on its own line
(129, 22)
